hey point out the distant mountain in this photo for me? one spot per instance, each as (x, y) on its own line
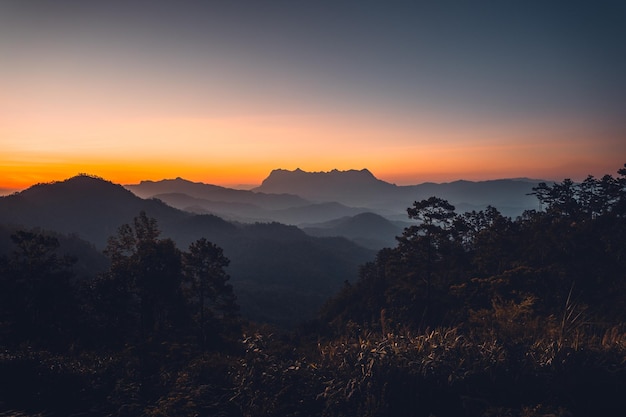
(268, 261)
(362, 189)
(366, 229)
(214, 193)
(348, 187)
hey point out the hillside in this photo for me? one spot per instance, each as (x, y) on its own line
(89, 207)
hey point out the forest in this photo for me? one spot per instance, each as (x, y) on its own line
(470, 314)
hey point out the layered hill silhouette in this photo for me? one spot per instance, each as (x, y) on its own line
(300, 198)
(250, 213)
(215, 193)
(241, 205)
(280, 274)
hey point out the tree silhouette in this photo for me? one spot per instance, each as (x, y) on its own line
(421, 246)
(586, 200)
(210, 296)
(38, 303)
(144, 280)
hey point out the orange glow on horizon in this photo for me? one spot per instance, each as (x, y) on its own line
(243, 150)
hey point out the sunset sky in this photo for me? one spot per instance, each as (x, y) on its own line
(225, 91)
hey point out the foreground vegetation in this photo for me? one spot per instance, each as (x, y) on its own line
(470, 314)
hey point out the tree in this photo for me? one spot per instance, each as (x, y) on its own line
(423, 245)
(586, 200)
(38, 302)
(142, 289)
(561, 200)
(457, 268)
(210, 296)
(492, 240)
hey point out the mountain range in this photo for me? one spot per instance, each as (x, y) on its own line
(298, 197)
(360, 188)
(281, 273)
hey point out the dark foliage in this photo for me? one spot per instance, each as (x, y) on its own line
(451, 266)
(38, 304)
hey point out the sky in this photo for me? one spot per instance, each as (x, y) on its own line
(225, 91)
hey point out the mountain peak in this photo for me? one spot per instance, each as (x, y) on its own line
(81, 183)
(351, 186)
(81, 186)
(89, 206)
(332, 173)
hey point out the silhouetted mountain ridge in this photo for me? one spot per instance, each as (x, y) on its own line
(356, 186)
(215, 193)
(91, 207)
